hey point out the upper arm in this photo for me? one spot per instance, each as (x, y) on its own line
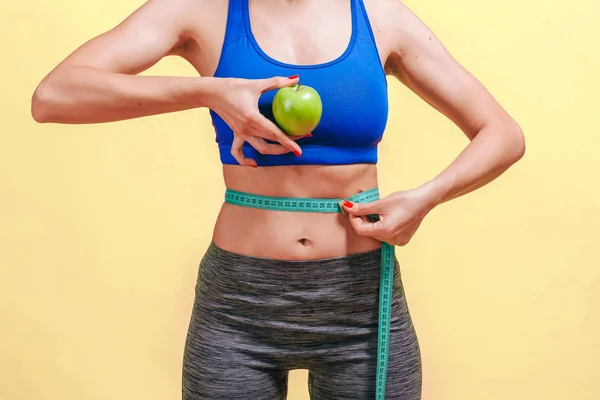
(141, 40)
(422, 63)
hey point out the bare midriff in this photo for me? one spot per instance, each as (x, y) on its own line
(293, 235)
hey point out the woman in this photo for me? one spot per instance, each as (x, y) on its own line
(286, 290)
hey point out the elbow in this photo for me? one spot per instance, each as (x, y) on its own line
(43, 102)
(517, 142)
(39, 104)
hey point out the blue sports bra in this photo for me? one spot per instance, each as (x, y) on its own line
(353, 90)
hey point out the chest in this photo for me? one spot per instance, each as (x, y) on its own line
(300, 34)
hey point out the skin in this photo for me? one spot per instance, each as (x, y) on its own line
(98, 83)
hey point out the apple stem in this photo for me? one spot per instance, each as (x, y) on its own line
(298, 87)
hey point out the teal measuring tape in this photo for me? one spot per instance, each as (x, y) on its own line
(299, 204)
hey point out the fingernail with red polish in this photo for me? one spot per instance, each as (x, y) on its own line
(297, 153)
(254, 166)
(293, 77)
(348, 204)
(308, 135)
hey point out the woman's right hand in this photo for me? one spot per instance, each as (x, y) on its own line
(236, 102)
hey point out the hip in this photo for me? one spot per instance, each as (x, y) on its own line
(344, 288)
(296, 312)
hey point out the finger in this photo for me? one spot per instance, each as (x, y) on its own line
(266, 148)
(265, 130)
(276, 82)
(300, 137)
(366, 228)
(374, 207)
(272, 132)
(237, 147)
(409, 233)
(263, 137)
(403, 241)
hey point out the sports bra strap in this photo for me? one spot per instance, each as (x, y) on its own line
(235, 21)
(363, 25)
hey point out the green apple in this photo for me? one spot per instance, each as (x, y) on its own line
(297, 109)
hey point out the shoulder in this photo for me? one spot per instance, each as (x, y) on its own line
(393, 24)
(401, 33)
(386, 12)
(393, 18)
(188, 14)
(195, 12)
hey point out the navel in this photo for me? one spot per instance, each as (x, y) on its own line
(304, 242)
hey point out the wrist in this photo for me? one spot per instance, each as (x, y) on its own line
(436, 190)
(202, 92)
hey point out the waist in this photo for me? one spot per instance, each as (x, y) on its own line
(294, 235)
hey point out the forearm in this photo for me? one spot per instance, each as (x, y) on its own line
(493, 150)
(83, 95)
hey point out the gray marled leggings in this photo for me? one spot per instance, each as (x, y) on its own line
(254, 319)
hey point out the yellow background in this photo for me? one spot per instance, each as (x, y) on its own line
(102, 227)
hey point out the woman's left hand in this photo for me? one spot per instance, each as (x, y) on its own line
(400, 215)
